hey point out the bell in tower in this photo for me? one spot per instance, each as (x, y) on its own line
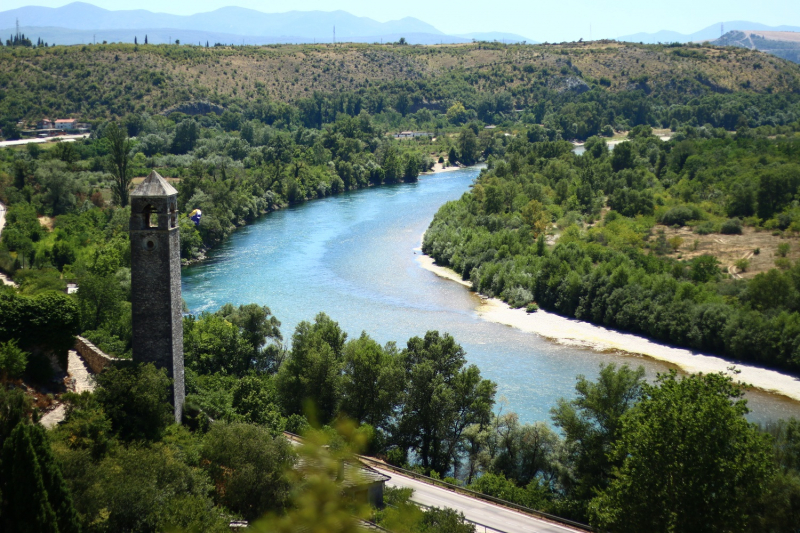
(156, 281)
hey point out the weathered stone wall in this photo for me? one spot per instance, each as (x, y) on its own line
(95, 359)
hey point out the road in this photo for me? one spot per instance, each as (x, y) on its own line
(497, 518)
(61, 138)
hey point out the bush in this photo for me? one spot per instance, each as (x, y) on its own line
(680, 215)
(783, 263)
(13, 360)
(532, 308)
(705, 228)
(742, 264)
(732, 226)
(784, 248)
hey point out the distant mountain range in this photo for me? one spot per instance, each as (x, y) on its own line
(80, 22)
(706, 34)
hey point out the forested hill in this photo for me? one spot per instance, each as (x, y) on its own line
(103, 81)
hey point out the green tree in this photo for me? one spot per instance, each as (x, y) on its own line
(248, 467)
(468, 146)
(186, 135)
(373, 381)
(15, 407)
(13, 360)
(136, 399)
(312, 370)
(704, 268)
(143, 488)
(255, 398)
(35, 496)
(119, 163)
(59, 187)
(443, 397)
(591, 424)
(689, 460)
(213, 344)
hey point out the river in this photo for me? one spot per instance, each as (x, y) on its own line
(353, 257)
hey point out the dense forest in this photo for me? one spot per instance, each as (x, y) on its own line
(614, 261)
(633, 238)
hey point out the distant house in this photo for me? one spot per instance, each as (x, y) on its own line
(44, 124)
(411, 134)
(66, 124)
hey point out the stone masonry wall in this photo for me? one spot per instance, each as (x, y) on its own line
(95, 359)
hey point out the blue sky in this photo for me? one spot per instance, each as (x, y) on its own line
(536, 19)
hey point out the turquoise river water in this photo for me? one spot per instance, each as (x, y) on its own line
(353, 257)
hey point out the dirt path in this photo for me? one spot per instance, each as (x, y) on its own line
(732, 270)
(80, 379)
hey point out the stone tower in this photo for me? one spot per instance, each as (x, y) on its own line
(156, 281)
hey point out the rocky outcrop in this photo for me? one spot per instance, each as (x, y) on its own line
(573, 84)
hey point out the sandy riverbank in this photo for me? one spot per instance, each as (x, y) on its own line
(578, 333)
(439, 167)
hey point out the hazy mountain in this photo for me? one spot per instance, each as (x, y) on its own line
(495, 36)
(80, 22)
(706, 34)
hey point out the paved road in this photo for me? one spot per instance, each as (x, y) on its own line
(62, 138)
(496, 517)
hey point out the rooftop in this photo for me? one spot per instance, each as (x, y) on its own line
(154, 185)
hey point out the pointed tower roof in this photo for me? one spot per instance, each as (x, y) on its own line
(154, 185)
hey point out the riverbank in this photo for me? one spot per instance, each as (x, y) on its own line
(574, 332)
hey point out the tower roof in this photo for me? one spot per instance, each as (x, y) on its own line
(154, 185)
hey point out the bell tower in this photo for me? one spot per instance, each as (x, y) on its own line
(156, 281)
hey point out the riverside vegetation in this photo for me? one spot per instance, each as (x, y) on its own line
(612, 263)
(318, 127)
(116, 464)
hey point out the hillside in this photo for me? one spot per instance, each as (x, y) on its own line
(93, 82)
(784, 44)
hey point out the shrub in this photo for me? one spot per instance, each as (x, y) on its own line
(732, 226)
(783, 263)
(679, 215)
(532, 308)
(705, 228)
(742, 264)
(783, 249)
(13, 360)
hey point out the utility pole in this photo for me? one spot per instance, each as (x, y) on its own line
(334, 35)
(722, 29)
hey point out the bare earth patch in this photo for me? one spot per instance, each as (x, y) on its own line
(730, 248)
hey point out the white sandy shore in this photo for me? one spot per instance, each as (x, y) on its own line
(578, 333)
(439, 167)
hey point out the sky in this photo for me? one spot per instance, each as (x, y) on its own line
(539, 20)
